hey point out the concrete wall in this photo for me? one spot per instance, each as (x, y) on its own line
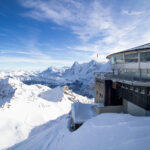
(99, 91)
(127, 107)
(109, 109)
(133, 109)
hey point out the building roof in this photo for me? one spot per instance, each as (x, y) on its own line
(141, 47)
(82, 112)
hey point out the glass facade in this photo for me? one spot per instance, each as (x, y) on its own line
(131, 57)
(130, 66)
(145, 56)
(112, 60)
(119, 59)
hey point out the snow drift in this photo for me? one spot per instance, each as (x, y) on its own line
(24, 107)
(106, 132)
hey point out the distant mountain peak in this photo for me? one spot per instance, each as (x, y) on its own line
(93, 62)
(78, 71)
(75, 64)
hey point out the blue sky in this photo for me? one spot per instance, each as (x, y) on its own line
(36, 34)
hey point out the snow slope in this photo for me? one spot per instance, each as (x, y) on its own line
(23, 107)
(106, 132)
(20, 75)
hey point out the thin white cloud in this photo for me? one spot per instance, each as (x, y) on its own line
(14, 59)
(91, 19)
(36, 54)
(86, 19)
(4, 51)
(24, 63)
(132, 13)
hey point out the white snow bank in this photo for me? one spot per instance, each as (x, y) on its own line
(82, 112)
(106, 132)
(23, 109)
(54, 95)
(48, 135)
(111, 132)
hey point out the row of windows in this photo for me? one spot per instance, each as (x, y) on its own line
(144, 57)
(135, 89)
(143, 73)
(131, 57)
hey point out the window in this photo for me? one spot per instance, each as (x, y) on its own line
(131, 88)
(136, 89)
(112, 60)
(145, 56)
(122, 86)
(119, 59)
(131, 57)
(142, 91)
(144, 71)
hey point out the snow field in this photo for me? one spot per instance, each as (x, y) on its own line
(24, 108)
(105, 131)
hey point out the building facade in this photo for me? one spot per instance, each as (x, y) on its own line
(129, 82)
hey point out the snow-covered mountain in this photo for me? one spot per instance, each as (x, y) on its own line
(85, 71)
(20, 75)
(77, 71)
(79, 77)
(22, 107)
(54, 71)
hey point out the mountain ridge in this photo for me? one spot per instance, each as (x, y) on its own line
(76, 70)
(78, 77)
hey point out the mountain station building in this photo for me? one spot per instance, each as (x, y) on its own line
(128, 85)
(124, 90)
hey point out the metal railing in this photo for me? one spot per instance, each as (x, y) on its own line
(125, 76)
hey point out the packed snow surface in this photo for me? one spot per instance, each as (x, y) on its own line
(105, 132)
(23, 107)
(82, 112)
